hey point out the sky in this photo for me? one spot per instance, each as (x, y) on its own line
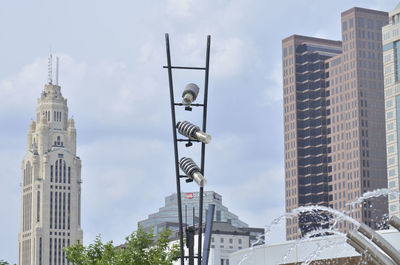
(111, 57)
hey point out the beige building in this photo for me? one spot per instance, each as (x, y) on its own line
(334, 122)
(391, 65)
(51, 184)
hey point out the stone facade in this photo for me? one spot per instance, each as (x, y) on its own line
(51, 184)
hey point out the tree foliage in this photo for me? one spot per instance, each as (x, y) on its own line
(3, 262)
(138, 249)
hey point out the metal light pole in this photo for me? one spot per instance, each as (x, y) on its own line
(189, 141)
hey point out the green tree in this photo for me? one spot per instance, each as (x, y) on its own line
(3, 262)
(138, 249)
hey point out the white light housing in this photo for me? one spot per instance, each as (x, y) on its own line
(190, 94)
(192, 171)
(193, 132)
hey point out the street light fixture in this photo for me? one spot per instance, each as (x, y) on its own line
(192, 171)
(193, 132)
(190, 94)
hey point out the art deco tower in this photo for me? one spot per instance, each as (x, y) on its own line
(51, 183)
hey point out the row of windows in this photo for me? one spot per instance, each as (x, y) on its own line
(311, 104)
(316, 179)
(56, 115)
(311, 95)
(313, 198)
(27, 212)
(311, 85)
(310, 67)
(301, 124)
(286, 50)
(60, 175)
(61, 210)
(26, 252)
(27, 180)
(320, 140)
(314, 151)
(314, 160)
(222, 240)
(57, 255)
(314, 170)
(309, 57)
(321, 187)
(311, 76)
(313, 132)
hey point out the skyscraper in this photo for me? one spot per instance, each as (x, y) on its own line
(334, 122)
(391, 64)
(51, 183)
(167, 216)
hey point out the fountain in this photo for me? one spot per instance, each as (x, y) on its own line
(331, 237)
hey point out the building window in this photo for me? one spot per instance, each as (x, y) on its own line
(218, 216)
(50, 251)
(64, 171)
(392, 184)
(51, 210)
(38, 207)
(390, 149)
(40, 251)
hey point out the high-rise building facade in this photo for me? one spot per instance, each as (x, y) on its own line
(334, 122)
(391, 66)
(51, 184)
(167, 216)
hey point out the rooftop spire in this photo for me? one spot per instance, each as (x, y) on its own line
(50, 69)
(57, 60)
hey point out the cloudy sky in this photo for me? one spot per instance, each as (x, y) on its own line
(111, 57)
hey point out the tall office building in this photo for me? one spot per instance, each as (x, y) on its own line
(167, 216)
(334, 122)
(391, 64)
(51, 184)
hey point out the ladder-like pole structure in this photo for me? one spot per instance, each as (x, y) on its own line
(189, 141)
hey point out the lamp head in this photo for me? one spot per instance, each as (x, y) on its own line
(190, 94)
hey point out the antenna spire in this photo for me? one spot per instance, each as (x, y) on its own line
(50, 69)
(57, 61)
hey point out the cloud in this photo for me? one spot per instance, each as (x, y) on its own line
(273, 93)
(111, 73)
(180, 7)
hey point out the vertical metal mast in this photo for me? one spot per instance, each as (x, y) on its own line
(203, 146)
(178, 182)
